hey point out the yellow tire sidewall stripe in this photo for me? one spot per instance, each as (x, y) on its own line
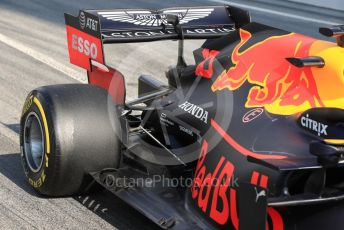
(46, 128)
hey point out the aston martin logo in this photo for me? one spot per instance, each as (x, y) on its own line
(148, 18)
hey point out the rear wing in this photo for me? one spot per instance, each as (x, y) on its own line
(150, 25)
(88, 32)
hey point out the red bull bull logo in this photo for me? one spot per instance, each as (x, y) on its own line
(276, 84)
(275, 81)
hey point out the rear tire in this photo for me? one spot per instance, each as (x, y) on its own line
(67, 131)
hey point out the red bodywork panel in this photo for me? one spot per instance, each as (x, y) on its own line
(109, 79)
(85, 49)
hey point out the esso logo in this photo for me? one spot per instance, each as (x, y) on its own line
(84, 46)
(252, 114)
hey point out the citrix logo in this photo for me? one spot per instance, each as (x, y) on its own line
(316, 126)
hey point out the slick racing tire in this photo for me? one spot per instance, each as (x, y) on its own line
(67, 131)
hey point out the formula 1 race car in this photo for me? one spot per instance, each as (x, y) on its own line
(251, 137)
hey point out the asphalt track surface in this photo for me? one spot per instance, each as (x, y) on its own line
(33, 53)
